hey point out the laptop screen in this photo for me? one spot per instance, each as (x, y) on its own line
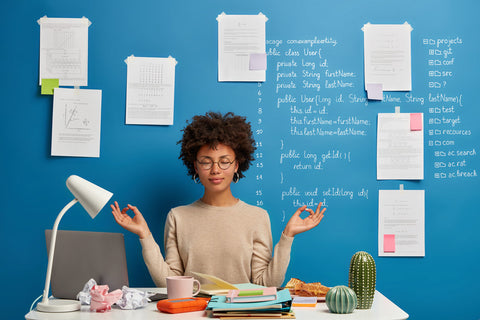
(80, 256)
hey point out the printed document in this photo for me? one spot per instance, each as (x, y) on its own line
(150, 90)
(76, 122)
(387, 56)
(240, 37)
(64, 50)
(399, 149)
(401, 214)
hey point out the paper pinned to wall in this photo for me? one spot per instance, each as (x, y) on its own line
(150, 90)
(76, 122)
(239, 36)
(399, 149)
(64, 50)
(387, 54)
(401, 218)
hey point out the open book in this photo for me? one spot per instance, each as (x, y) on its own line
(215, 286)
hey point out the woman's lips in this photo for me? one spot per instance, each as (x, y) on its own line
(216, 180)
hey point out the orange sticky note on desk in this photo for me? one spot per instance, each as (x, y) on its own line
(416, 122)
(388, 243)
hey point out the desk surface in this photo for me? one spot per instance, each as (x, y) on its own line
(382, 308)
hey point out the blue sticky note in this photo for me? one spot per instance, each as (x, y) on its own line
(375, 91)
(258, 61)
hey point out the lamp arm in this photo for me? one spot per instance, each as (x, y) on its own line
(52, 248)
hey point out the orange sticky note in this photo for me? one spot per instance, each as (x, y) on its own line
(388, 243)
(416, 122)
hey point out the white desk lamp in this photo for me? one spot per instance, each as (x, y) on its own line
(93, 199)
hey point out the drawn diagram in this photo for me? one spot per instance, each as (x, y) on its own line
(76, 122)
(75, 117)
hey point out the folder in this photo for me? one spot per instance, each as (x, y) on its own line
(282, 303)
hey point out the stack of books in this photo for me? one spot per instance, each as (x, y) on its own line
(263, 303)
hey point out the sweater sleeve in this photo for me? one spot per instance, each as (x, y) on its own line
(267, 270)
(158, 267)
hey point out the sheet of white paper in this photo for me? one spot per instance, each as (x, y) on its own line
(238, 37)
(399, 150)
(150, 90)
(76, 122)
(402, 213)
(388, 56)
(64, 50)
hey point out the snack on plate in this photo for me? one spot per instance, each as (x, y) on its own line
(300, 288)
(315, 289)
(292, 282)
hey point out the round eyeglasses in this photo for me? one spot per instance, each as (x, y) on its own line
(207, 164)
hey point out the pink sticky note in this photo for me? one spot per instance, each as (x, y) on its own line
(416, 122)
(258, 61)
(388, 243)
(375, 91)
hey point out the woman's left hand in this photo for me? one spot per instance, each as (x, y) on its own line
(298, 225)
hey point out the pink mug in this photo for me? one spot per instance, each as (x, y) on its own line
(181, 287)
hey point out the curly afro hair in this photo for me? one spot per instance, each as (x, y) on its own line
(212, 129)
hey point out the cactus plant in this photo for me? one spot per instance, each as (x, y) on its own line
(362, 277)
(341, 299)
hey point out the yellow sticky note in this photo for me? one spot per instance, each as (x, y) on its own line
(48, 85)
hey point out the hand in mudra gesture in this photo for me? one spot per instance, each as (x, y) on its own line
(137, 224)
(298, 225)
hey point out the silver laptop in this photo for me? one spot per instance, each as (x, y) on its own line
(80, 256)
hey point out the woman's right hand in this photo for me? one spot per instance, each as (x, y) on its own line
(137, 224)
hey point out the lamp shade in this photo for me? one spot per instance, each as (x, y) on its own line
(91, 197)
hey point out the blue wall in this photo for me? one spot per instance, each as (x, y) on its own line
(140, 165)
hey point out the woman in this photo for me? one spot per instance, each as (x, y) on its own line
(218, 234)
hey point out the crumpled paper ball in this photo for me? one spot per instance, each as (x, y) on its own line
(133, 298)
(102, 300)
(84, 295)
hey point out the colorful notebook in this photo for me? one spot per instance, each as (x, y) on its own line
(252, 295)
(282, 303)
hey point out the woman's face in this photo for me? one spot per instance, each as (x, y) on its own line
(215, 179)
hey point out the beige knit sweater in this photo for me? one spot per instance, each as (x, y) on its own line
(233, 243)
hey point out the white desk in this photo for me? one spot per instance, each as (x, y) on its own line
(382, 308)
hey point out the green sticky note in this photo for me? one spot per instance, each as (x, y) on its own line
(242, 293)
(48, 85)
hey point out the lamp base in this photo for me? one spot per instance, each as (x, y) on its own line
(58, 305)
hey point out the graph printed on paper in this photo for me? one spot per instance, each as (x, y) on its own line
(76, 117)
